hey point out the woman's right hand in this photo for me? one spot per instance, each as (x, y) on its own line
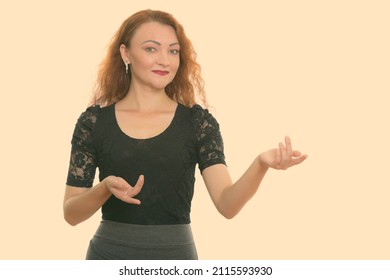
(122, 190)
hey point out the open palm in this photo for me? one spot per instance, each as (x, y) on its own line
(282, 157)
(123, 190)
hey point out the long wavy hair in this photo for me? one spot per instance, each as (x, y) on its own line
(113, 83)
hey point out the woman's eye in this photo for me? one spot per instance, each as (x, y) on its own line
(174, 51)
(150, 49)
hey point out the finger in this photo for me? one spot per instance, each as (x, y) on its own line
(130, 200)
(296, 153)
(133, 191)
(288, 146)
(298, 160)
(120, 184)
(278, 156)
(283, 153)
(138, 186)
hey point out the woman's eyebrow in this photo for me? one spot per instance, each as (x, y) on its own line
(158, 43)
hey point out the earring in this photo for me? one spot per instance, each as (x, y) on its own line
(127, 67)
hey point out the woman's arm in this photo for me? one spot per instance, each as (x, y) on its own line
(82, 203)
(229, 197)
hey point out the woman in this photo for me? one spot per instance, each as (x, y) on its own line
(146, 134)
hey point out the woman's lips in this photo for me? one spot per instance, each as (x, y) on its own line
(160, 72)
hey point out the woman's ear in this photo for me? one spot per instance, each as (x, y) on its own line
(124, 54)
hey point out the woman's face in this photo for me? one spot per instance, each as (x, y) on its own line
(154, 55)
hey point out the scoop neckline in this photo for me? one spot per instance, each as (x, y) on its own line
(149, 138)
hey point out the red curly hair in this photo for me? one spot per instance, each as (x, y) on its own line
(113, 83)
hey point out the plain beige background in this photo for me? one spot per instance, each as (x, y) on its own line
(315, 70)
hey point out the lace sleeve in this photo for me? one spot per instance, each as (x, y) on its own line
(82, 165)
(208, 139)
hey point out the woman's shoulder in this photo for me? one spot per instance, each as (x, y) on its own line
(201, 115)
(94, 112)
(89, 115)
(198, 112)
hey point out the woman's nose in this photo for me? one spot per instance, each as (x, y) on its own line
(163, 59)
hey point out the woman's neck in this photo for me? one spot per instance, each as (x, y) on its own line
(145, 100)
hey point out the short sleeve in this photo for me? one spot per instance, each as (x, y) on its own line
(82, 164)
(208, 139)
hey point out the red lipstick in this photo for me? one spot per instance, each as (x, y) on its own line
(160, 72)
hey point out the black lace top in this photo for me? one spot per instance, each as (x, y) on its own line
(167, 161)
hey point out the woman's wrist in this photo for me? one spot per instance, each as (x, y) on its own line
(106, 184)
(262, 164)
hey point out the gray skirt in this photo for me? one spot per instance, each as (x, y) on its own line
(120, 241)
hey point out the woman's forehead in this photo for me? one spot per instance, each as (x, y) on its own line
(155, 31)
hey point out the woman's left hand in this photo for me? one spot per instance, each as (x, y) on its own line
(281, 158)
